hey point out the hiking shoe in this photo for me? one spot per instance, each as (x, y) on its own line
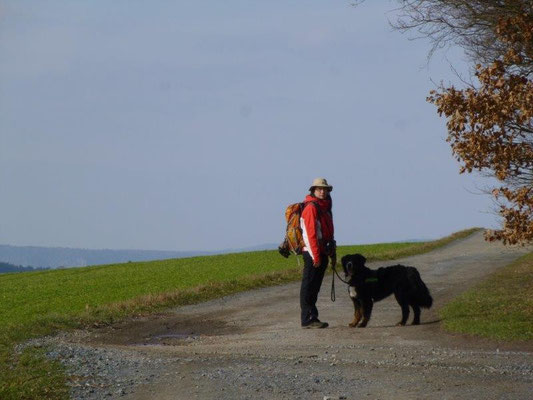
(316, 324)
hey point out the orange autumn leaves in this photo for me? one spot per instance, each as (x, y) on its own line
(490, 127)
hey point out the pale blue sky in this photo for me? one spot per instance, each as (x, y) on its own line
(191, 125)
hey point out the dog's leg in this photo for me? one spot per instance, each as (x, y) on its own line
(356, 305)
(356, 317)
(405, 308)
(416, 319)
(405, 314)
(357, 313)
(367, 312)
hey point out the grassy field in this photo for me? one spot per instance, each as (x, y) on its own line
(501, 307)
(44, 302)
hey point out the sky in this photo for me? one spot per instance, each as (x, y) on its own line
(184, 125)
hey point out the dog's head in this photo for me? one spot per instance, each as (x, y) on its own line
(352, 263)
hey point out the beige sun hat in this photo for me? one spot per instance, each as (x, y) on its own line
(320, 182)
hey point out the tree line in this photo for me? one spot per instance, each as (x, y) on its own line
(7, 267)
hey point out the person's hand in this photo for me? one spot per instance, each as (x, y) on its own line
(317, 263)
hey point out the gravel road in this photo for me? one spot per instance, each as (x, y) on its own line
(251, 346)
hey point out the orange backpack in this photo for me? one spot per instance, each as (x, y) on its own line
(293, 242)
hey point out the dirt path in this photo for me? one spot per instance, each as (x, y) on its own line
(251, 345)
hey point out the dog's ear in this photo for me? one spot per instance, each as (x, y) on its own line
(343, 260)
(359, 260)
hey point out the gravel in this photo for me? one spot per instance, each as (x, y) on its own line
(250, 346)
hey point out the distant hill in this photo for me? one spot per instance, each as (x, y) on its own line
(6, 267)
(55, 257)
(259, 247)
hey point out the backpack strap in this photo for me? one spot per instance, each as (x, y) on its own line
(315, 203)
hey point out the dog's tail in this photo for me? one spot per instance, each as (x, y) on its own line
(421, 292)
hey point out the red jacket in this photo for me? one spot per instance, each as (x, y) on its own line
(317, 226)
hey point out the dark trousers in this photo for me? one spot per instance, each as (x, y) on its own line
(311, 281)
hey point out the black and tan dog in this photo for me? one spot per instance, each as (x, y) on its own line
(367, 286)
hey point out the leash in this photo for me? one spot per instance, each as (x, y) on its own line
(333, 298)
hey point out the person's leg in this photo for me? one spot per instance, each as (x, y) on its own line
(316, 284)
(306, 305)
(311, 282)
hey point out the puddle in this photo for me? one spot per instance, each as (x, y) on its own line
(174, 336)
(171, 329)
(171, 339)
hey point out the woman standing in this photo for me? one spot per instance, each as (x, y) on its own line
(318, 234)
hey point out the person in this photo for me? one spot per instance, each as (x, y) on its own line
(317, 230)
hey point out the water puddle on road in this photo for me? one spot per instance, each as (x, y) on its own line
(174, 336)
(171, 339)
(167, 329)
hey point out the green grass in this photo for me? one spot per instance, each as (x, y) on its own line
(44, 302)
(501, 307)
(30, 375)
(391, 251)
